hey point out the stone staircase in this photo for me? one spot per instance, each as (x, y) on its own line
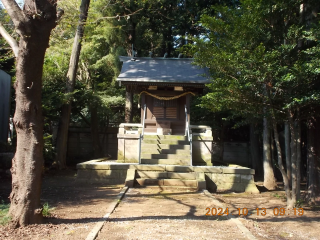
(162, 152)
(165, 149)
(166, 179)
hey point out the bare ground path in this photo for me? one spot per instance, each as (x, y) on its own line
(153, 213)
(148, 213)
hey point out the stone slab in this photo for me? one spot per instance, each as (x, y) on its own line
(148, 167)
(175, 168)
(238, 170)
(149, 181)
(151, 174)
(226, 178)
(207, 169)
(177, 175)
(179, 182)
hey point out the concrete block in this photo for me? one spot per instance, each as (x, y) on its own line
(129, 182)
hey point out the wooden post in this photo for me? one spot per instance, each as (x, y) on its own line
(128, 110)
(142, 102)
(188, 99)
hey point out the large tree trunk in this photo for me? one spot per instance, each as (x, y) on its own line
(62, 138)
(27, 164)
(269, 180)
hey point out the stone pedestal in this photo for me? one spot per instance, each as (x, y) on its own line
(201, 145)
(128, 142)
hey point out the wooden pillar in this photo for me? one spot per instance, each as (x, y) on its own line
(128, 110)
(142, 102)
(188, 100)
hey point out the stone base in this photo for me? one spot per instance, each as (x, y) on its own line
(215, 179)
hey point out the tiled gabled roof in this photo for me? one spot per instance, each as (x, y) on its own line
(161, 70)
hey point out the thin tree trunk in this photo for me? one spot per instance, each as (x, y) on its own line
(27, 164)
(71, 77)
(298, 136)
(312, 180)
(128, 110)
(290, 204)
(269, 180)
(10, 40)
(293, 157)
(287, 148)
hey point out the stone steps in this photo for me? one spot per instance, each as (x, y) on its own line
(183, 162)
(166, 182)
(168, 179)
(168, 137)
(164, 175)
(165, 149)
(147, 146)
(165, 141)
(182, 156)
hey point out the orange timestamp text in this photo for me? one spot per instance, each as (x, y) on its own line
(258, 212)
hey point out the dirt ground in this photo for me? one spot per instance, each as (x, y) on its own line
(155, 213)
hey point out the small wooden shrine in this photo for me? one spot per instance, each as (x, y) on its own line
(165, 86)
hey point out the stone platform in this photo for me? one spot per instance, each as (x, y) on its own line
(213, 178)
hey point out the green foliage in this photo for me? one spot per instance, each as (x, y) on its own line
(46, 211)
(260, 55)
(7, 60)
(4, 210)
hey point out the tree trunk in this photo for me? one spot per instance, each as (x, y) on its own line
(71, 77)
(27, 164)
(313, 183)
(298, 136)
(128, 110)
(269, 180)
(293, 157)
(287, 148)
(290, 203)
